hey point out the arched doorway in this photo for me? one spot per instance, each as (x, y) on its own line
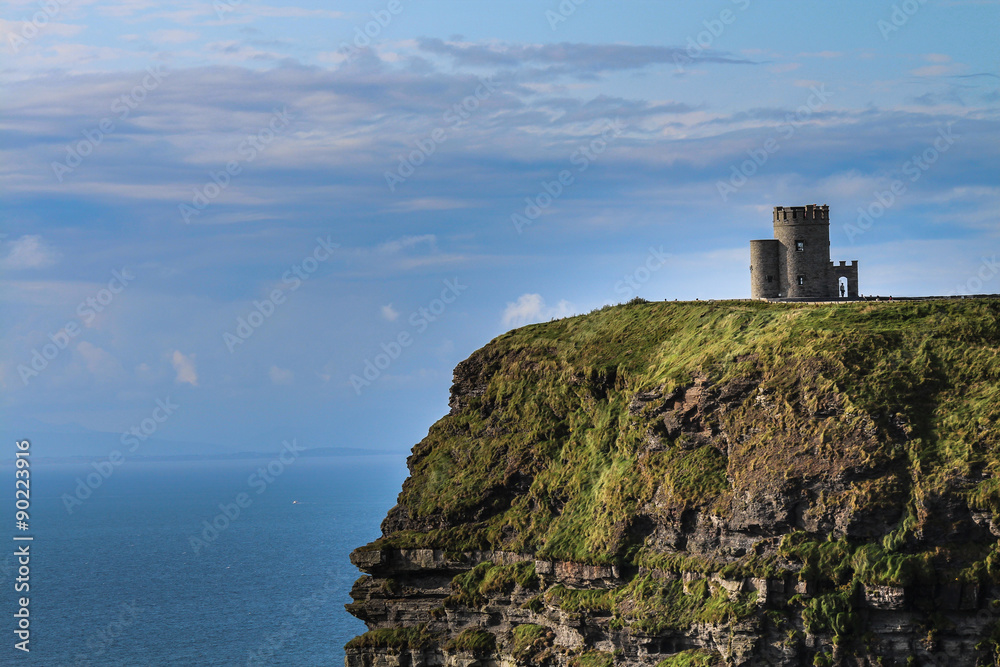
(843, 287)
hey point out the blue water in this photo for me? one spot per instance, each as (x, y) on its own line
(118, 582)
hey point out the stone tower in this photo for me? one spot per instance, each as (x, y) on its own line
(796, 264)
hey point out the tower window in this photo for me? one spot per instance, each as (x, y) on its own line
(800, 246)
(802, 280)
(770, 279)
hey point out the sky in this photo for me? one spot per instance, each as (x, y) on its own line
(229, 223)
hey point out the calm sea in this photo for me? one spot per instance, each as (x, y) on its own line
(118, 582)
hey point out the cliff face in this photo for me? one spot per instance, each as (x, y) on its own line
(701, 484)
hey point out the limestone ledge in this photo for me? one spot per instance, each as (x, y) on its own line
(387, 560)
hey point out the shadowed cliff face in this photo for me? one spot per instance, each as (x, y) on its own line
(699, 484)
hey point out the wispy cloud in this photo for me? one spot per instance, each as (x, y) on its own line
(27, 252)
(943, 65)
(574, 59)
(389, 313)
(400, 244)
(185, 368)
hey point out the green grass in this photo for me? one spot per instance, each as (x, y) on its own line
(653, 606)
(487, 579)
(695, 658)
(873, 564)
(473, 640)
(593, 659)
(394, 638)
(840, 569)
(530, 639)
(833, 614)
(837, 564)
(823, 561)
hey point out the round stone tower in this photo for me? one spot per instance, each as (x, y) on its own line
(765, 278)
(803, 234)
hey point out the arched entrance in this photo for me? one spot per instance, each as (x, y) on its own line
(844, 277)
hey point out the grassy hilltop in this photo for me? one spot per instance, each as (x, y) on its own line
(553, 425)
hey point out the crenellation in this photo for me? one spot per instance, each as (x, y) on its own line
(797, 214)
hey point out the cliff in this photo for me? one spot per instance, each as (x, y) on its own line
(731, 483)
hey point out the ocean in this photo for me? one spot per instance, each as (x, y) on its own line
(119, 580)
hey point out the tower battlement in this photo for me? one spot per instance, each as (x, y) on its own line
(813, 213)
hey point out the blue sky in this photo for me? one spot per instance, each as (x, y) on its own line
(177, 176)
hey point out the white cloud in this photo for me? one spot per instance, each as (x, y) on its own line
(397, 245)
(281, 375)
(28, 252)
(389, 313)
(184, 365)
(943, 66)
(531, 308)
